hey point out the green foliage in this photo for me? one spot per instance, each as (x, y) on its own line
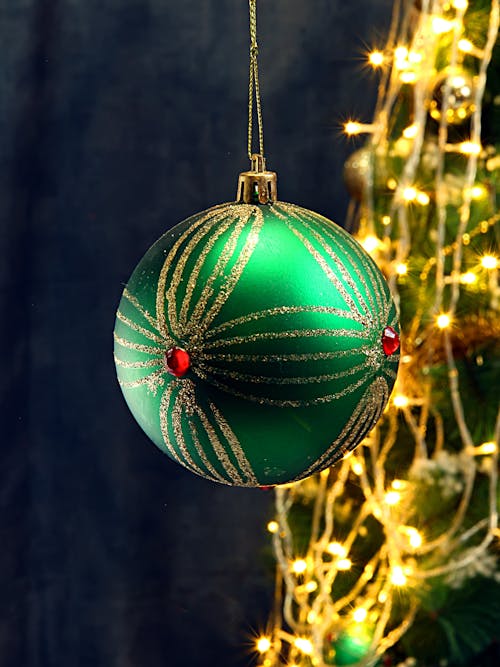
(455, 624)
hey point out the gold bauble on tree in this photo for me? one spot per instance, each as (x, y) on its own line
(357, 170)
(453, 92)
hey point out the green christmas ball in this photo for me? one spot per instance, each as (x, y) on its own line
(256, 344)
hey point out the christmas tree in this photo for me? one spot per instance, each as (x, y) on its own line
(389, 557)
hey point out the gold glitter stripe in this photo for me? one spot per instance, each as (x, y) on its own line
(138, 364)
(139, 329)
(195, 273)
(176, 421)
(338, 259)
(198, 319)
(263, 379)
(293, 333)
(218, 448)
(234, 443)
(147, 316)
(320, 260)
(147, 349)
(152, 381)
(164, 420)
(361, 422)
(209, 223)
(273, 358)
(216, 476)
(160, 292)
(280, 310)
(276, 402)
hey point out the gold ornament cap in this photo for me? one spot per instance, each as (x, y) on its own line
(257, 186)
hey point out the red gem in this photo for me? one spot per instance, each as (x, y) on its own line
(390, 341)
(177, 361)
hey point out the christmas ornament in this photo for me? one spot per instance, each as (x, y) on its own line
(357, 173)
(457, 86)
(350, 646)
(251, 341)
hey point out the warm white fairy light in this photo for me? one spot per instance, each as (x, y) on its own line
(310, 609)
(489, 262)
(299, 566)
(443, 320)
(376, 58)
(273, 526)
(263, 644)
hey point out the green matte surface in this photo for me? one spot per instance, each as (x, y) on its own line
(282, 313)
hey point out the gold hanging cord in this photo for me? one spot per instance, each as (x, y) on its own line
(256, 186)
(254, 83)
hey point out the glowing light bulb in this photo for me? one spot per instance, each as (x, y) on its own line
(411, 131)
(401, 269)
(477, 192)
(408, 77)
(414, 537)
(465, 45)
(357, 467)
(352, 127)
(398, 484)
(401, 401)
(440, 25)
(392, 183)
(299, 566)
(359, 615)
(468, 278)
(400, 55)
(376, 58)
(423, 198)
(409, 194)
(370, 243)
(273, 526)
(486, 449)
(460, 4)
(443, 321)
(489, 262)
(398, 577)
(344, 564)
(386, 220)
(470, 148)
(263, 644)
(303, 645)
(392, 498)
(336, 549)
(311, 586)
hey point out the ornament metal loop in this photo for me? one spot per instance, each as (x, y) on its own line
(257, 186)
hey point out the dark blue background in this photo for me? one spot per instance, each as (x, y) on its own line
(119, 118)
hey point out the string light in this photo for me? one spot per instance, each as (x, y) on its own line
(460, 4)
(441, 25)
(273, 526)
(392, 498)
(489, 262)
(359, 615)
(401, 401)
(443, 321)
(304, 645)
(376, 58)
(344, 564)
(401, 269)
(336, 549)
(263, 644)
(398, 577)
(299, 566)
